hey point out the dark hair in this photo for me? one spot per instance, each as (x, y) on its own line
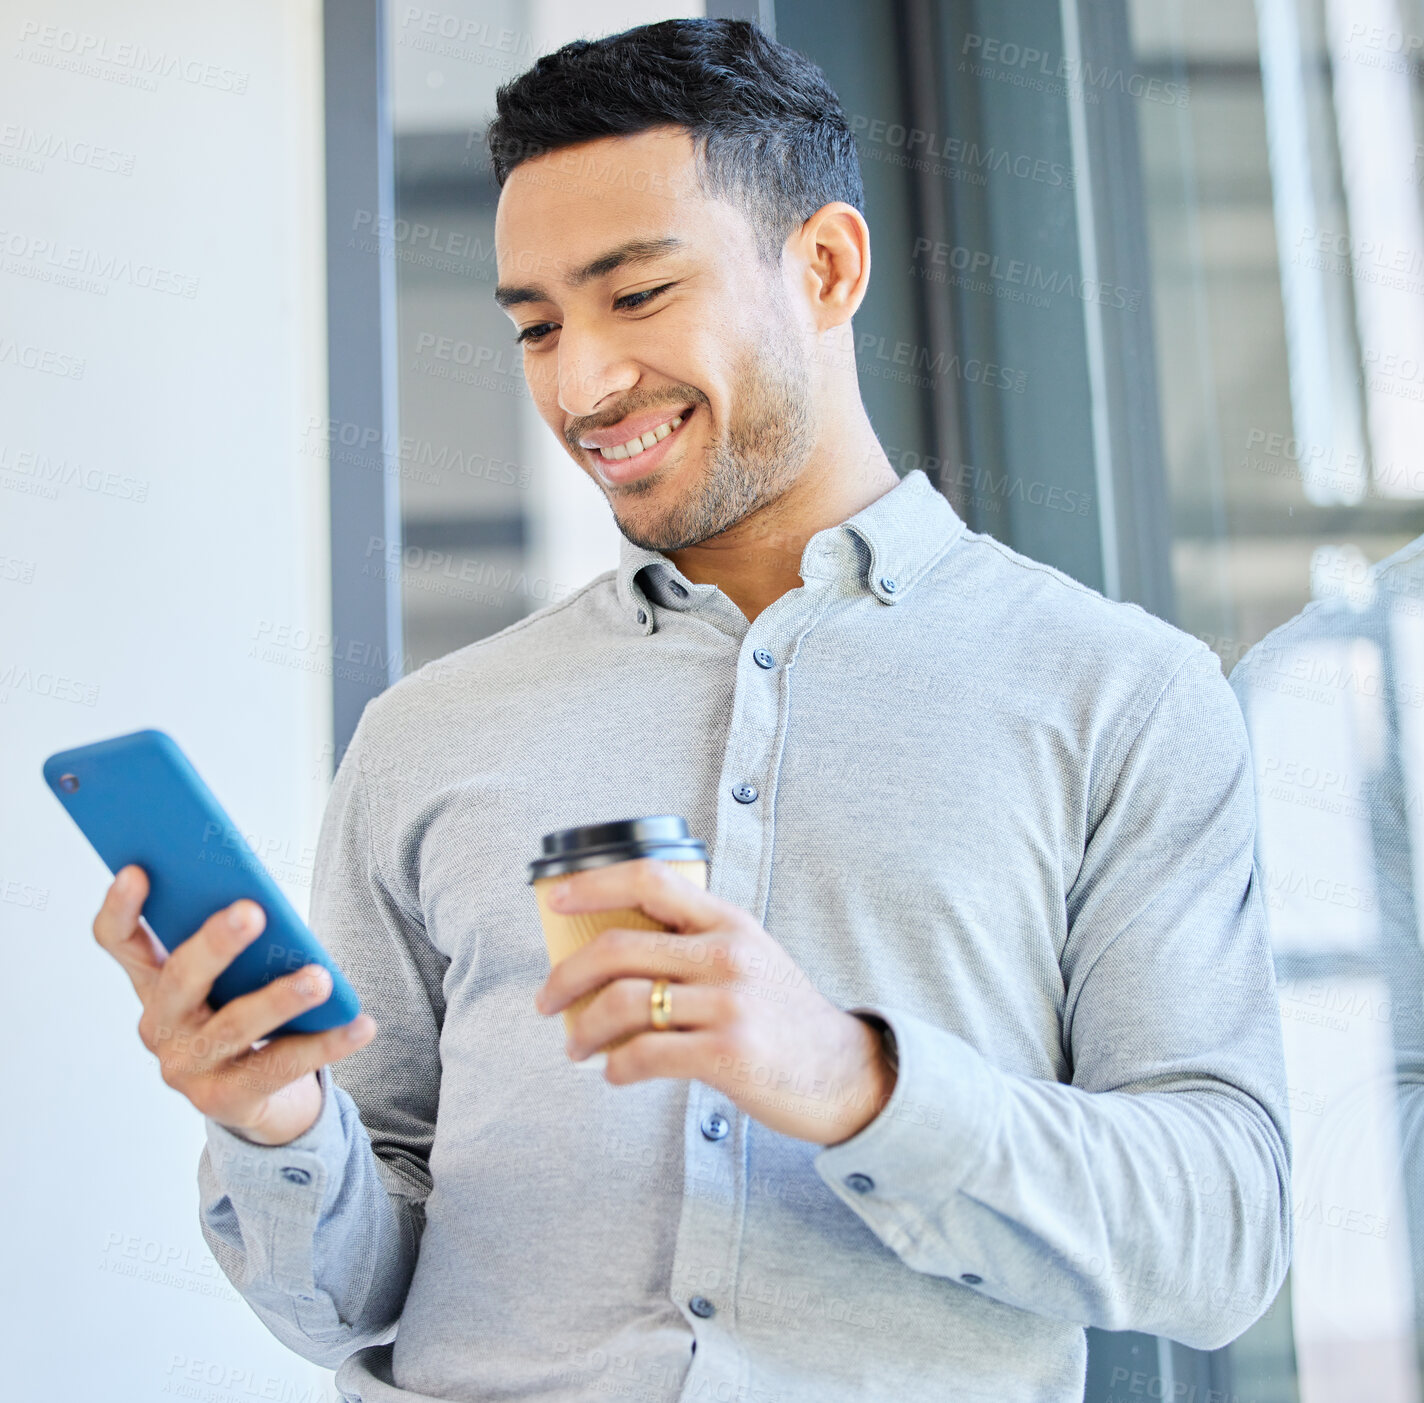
(768, 129)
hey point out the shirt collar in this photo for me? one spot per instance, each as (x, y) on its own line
(883, 550)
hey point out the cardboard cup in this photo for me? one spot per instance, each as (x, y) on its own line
(564, 933)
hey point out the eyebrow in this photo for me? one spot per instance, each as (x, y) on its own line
(634, 251)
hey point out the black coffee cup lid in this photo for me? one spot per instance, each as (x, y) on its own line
(663, 836)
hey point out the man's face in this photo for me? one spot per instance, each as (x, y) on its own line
(700, 329)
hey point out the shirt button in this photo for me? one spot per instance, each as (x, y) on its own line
(969, 1279)
(676, 587)
(888, 585)
(715, 1126)
(763, 659)
(642, 616)
(861, 1183)
(293, 1175)
(745, 794)
(700, 1305)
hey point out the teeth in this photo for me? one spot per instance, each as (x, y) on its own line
(635, 446)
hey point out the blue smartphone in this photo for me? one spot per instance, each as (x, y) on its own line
(137, 798)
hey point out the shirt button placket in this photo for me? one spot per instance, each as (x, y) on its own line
(715, 1199)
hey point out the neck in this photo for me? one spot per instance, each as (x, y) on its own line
(758, 560)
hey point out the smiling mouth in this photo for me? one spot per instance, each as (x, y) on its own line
(636, 447)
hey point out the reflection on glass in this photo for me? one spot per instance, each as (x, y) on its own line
(1334, 703)
(1285, 224)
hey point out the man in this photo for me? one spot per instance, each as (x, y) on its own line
(972, 1042)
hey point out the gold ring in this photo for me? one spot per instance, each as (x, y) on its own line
(662, 1005)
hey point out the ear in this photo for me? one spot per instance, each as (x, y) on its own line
(833, 249)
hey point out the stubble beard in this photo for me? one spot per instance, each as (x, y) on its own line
(761, 455)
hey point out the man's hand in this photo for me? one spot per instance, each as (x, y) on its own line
(270, 1095)
(746, 1019)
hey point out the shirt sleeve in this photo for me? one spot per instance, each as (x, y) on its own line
(1151, 1192)
(320, 1236)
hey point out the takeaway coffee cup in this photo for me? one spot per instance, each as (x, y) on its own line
(663, 836)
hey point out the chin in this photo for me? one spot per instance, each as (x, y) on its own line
(652, 529)
(644, 528)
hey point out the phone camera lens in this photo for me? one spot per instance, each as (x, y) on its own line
(69, 783)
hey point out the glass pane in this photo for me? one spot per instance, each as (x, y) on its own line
(463, 481)
(497, 520)
(1287, 241)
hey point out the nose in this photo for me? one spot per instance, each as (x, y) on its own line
(593, 368)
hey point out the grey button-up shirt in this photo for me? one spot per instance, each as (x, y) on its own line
(1008, 816)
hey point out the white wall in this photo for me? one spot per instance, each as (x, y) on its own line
(161, 512)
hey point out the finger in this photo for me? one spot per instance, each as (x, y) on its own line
(243, 1021)
(187, 976)
(625, 1007)
(649, 884)
(687, 1056)
(264, 1071)
(621, 951)
(117, 929)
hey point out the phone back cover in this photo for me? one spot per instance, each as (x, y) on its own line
(140, 800)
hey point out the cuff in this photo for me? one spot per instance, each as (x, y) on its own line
(898, 1172)
(294, 1180)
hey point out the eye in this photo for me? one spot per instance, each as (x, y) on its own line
(629, 302)
(637, 299)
